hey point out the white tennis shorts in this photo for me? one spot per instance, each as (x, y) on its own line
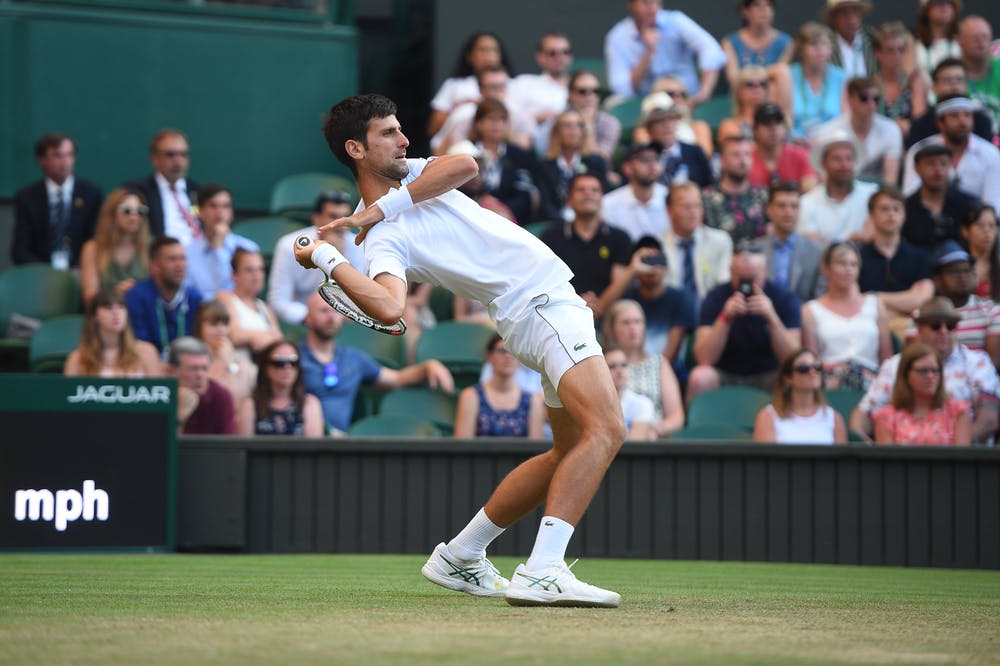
(554, 333)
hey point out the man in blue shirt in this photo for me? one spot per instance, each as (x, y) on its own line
(653, 42)
(746, 328)
(334, 373)
(210, 255)
(161, 308)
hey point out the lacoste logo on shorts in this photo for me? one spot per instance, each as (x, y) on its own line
(578, 346)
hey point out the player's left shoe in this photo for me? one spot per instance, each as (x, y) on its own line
(478, 577)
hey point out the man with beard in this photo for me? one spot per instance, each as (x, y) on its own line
(161, 308)
(935, 211)
(734, 205)
(975, 161)
(639, 207)
(837, 209)
(334, 373)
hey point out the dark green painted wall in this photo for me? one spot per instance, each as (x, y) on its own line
(250, 93)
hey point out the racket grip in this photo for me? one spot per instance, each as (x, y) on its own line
(303, 241)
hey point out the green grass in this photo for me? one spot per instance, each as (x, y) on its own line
(339, 609)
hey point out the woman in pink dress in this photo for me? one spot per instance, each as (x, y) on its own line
(920, 411)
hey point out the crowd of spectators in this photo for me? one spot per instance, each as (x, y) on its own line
(847, 207)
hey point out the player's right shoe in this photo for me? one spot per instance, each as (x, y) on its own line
(478, 577)
(557, 586)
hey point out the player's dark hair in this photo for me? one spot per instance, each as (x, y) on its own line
(348, 120)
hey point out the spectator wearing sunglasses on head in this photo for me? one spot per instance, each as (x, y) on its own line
(118, 254)
(968, 375)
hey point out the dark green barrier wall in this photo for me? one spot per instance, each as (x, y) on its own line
(250, 93)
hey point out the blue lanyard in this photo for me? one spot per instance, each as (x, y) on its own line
(161, 320)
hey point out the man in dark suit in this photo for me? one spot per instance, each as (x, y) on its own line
(54, 216)
(681, 161)
(792, 259)
(169, 194)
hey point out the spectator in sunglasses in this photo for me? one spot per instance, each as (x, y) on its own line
(798, 413)
(279, 404)
(878, 139)
(168, 192)
(968, 376)
(921, 412)
(543, 95)
(755, 87)
(955, 278)
(118, 254)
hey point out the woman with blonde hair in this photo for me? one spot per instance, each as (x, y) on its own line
(920, 411)
(903, 93)
(798, 413)
(648, 374)
(107, 346)
(232, 370)
(847, 330)
(817, 84)
(754, 86)
(118, 254)
(571, 152)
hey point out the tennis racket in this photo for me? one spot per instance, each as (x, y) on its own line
(338, 299)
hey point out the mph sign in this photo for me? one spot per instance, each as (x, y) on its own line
(87, 464)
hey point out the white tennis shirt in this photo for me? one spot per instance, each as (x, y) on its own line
(452, 241)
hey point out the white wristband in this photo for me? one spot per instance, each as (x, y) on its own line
(327, 257)
(395, 201)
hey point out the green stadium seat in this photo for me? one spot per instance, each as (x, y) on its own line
(537, 228)
(734, 406)
(430, 405)
(595, 65)
(442, 303)
(393, 426)
(459, 345)
(265, 231)
(294, 196)
(627, 113)
(844, 401)
(36, 291)
(389, 350)
(53, 342)
(713, 111)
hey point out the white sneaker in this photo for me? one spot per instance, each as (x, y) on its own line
(478, 577)
(557, 586)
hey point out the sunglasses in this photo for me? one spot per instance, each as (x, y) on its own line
(675, 94)
(558, 52)
(171, 154)
(142, 211)
(865, 98)
(806, 368)
(586, 91)
(755, 84)
(331, 375)
(938, 325)
(283, 362)
(925, 372)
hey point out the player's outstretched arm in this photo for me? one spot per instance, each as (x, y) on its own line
(439, 176)
(383, 298)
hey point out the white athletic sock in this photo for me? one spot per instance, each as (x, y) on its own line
(550, 544)
(471, 542)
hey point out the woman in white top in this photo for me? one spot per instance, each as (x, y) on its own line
(637, 409)
(480, 50)
(648, 375)
(252, 323)
(846, 329)
(798, 413)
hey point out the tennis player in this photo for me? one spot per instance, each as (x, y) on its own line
(417, 226)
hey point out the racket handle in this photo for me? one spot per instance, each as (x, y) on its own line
(303, 241)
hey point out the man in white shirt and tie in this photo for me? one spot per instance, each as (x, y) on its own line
(168, 191)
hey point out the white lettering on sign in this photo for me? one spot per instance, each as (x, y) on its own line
(114, 394)
(62, 506)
